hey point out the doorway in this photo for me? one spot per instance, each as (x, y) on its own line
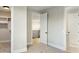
(39, 28)
(35, 28)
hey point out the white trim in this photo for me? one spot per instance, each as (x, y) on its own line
(19, 50)
(57, 46)
(5, 41)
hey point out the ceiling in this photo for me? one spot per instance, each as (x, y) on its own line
(39, 8)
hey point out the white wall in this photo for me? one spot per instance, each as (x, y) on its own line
(19, 29)
(29, 26)
(56, 35)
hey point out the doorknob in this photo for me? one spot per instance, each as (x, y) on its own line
(46, 32)
(68, 32)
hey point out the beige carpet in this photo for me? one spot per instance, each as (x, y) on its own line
(5, 47)
(38, 47)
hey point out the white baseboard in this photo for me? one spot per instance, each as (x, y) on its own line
(5, 41)
(19, 50)
(57, 46)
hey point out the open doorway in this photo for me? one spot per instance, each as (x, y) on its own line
(5, 29)
(39, 28)
(35, 28)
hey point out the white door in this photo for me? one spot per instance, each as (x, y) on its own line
(43, 28)
(73, 30)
